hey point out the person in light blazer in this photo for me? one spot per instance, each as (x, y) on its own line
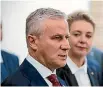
(47, 41)
(80, 70)
(9, 62)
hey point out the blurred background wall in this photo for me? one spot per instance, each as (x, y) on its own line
(14, 13)
(96, 10)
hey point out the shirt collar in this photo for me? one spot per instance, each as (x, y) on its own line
(44, 71)
(74, 68)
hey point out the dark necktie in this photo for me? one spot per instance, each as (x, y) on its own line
(53, 79)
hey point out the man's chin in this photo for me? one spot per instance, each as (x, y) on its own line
(62, 64)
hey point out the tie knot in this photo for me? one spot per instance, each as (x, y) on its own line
(52, 76)
(53, 79)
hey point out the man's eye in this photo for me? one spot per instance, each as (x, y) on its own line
(58, 37)
(76, 34)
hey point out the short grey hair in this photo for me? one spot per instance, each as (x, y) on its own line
(34, 20)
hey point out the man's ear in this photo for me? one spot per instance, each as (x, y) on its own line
(32, 41)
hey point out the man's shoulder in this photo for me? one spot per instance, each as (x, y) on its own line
(7, 55)
(95, 52)
(26, 75)
(10, 59)
(93, 64)
(16, 79)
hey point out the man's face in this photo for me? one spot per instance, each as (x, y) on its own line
(81, 37)
(53, 45)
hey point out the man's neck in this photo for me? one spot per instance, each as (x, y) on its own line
(40, 60)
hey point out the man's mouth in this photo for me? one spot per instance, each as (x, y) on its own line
(64, 56)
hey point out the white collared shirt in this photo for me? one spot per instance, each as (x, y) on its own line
(79, 72)
(44, 71)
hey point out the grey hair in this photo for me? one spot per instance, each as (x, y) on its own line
(33, 21)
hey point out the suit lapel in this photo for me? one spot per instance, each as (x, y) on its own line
(32, 74)
(71, 77)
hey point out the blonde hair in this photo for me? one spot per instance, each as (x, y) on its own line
(80, 15)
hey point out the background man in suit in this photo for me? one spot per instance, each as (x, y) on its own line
(97, 55)
(9, 62)
(79, 70)
(47, 41)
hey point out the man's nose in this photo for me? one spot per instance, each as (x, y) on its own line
(65, 45)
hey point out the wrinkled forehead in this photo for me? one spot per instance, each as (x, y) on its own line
(56, 26)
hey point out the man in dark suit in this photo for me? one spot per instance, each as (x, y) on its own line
(47, 42)
(80, 70)
(9, 62)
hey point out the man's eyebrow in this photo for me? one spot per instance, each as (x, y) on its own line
(77, 31)
(57, 34)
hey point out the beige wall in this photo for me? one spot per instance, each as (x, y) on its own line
(96, 10)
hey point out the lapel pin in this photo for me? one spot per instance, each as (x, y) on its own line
(92, 73)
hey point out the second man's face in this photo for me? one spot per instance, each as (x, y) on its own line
(81, 37)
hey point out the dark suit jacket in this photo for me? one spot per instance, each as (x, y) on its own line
(9, 65)
(97, 55)
(66, 74)
(26, 75)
